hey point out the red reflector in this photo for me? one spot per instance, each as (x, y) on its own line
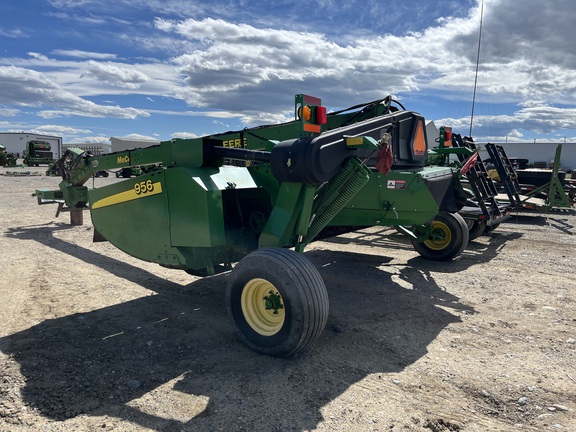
(311, 100)
(321, 115)
(448, 134)
(309, 127)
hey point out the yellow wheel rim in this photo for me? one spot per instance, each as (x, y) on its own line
(442, 234)
(263, 307)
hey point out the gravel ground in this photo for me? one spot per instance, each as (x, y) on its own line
(92, 339)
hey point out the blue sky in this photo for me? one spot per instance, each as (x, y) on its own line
(87, 70)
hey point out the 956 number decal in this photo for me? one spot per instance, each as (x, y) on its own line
(140, 190)
(143, 187)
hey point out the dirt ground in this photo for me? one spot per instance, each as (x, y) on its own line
(92, 339)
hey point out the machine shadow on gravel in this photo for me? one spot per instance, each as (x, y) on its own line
(108, 360)
(554, 219)
(386, 240)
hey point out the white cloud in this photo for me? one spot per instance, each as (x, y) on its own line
(233, 63)
(9, 112)
(70, 3)
(84, 54)
(26, 87)
(98, 139)
(541, 118)
(38, 56)
(115, 75)
(215, 114)
(184, 135)
(57, 130)
(94, 110)
(13, 33)
(137, 136)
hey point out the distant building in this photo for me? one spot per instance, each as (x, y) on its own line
(96, 149)
(541, 154)
(121, 144)
(15, 142)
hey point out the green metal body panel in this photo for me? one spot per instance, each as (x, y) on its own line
(399, 198)
(292, 206)
(136, 223)
(195, 207)
(181, 228)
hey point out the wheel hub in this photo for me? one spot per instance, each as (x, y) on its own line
(440, 237)
(262, 307)
(273, 301)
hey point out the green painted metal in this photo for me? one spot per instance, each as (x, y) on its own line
(400, 198)
(286, 215)
(136, 217)
(210, 201)
(440, 155)
(347, 188)
(328, 191)
(555, 195)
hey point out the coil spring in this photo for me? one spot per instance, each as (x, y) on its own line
(353, 177)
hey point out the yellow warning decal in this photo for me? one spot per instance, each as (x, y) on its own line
(141, 189)
(354, 141)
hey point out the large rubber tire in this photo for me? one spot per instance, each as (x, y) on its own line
(449, 238)
(277, 302)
